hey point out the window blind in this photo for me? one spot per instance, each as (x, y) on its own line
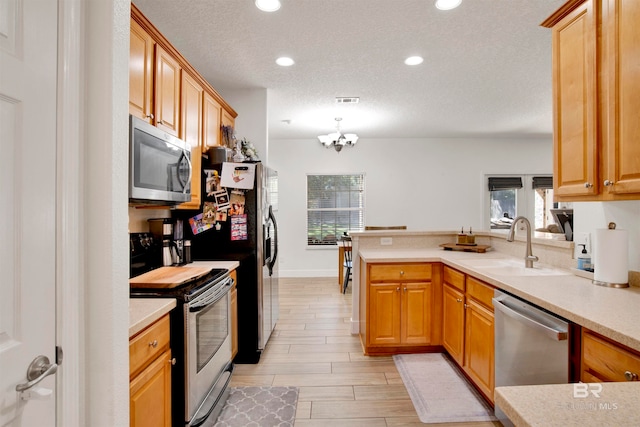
(335, 204)
(542, 182)
(497, 183)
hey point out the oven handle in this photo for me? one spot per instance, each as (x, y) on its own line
(555, 334)
(206, 300)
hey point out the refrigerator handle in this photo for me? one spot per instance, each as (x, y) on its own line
(272, 262)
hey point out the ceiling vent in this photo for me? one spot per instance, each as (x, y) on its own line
(347, 100)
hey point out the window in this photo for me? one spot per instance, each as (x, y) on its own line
(526, 195)
(335, 204)
(503, 200)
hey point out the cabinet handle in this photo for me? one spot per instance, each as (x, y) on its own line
(173, 361)
(458, 300)
(160, 122)
(153, 344)
(608, 183)
(401, 273)
(465, 306)
(588, 185)
(149, 116)
(405, 289)
(630, 376)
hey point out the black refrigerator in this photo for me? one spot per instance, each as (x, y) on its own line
(257, 253)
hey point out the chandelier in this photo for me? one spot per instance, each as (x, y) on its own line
(337, 139)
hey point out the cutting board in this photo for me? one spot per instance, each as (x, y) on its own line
(167, 277)
(465, 248)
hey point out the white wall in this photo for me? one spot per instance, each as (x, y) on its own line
(589, 216)
(426, 184)
(251, 123)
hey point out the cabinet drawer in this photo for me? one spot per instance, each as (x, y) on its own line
(454, 278)
(399, 272)
(480, 291)
(148, 344)
(607, 360)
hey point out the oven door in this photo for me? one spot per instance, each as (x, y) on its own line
(208, 347)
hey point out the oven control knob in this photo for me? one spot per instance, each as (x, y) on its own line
(153, 344)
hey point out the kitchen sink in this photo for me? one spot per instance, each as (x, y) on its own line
(510, 267)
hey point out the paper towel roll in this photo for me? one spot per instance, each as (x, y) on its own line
(611, 256)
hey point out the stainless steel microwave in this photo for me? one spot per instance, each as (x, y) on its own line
(159, 165)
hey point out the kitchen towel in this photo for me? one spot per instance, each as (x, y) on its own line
(611, 256)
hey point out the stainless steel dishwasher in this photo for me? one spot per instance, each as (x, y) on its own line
(531, 345)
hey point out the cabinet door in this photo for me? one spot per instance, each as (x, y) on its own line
(191, 132)
(211, 122)
(150, 394)
(453, 322)
(622, 87)
(478, 348)
(415, 311)
(575, 102)
(141, 47)
(167, 93)
(384, 314)
(226, 119)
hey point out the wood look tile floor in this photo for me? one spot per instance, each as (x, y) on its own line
(312, 348)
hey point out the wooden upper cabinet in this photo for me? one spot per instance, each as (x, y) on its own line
(596, 100)
(191, 105)
(622, 135)
(575, 101)
(167, 92)
(141, 51)
(211, 123)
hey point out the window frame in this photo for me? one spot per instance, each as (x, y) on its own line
(360, 209)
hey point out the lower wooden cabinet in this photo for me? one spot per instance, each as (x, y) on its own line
(150, 364)
(467, 327)
(402, 312)
(604, 360)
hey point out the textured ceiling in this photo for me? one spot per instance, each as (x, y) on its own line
(487, 68)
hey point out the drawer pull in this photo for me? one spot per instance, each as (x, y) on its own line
(401, 273)
(153, 344)
(630, 376)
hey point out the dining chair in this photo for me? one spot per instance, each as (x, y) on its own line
(348, 261)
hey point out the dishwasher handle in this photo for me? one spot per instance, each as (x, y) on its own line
(558, 335)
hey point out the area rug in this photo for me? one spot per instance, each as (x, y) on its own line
(439, 392)
(259, 407)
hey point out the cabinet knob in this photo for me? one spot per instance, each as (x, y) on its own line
(173, 361)
(608, 183)
(630, 376)
(398, 289)
(588, 185)
(465, 306)
(405, 289)
(160, 122)
(458, 300)
(153, 344)
(149, 116)
(401, 273)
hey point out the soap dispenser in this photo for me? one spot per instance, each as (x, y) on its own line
(584, 260)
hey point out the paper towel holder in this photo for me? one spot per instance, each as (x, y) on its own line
(611, 226)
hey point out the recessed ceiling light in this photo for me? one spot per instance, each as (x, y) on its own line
(447, 4)
(268, 5)
(284, 61)
(413, 60)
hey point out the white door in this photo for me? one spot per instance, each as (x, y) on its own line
(28, 46)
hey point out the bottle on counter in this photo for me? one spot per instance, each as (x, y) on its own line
(584, 259)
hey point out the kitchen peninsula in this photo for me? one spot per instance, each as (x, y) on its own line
(608, 314)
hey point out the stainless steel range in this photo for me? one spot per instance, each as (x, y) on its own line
(200, 337)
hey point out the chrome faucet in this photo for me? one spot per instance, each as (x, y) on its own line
(529, 257)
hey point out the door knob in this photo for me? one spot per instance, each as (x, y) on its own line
(38, 370)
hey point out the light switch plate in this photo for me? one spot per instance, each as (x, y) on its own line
(386, 240)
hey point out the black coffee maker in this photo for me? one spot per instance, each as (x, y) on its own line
(170, 233)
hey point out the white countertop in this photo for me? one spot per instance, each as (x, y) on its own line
(614, 313)
(144, 311)
(555, 405)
